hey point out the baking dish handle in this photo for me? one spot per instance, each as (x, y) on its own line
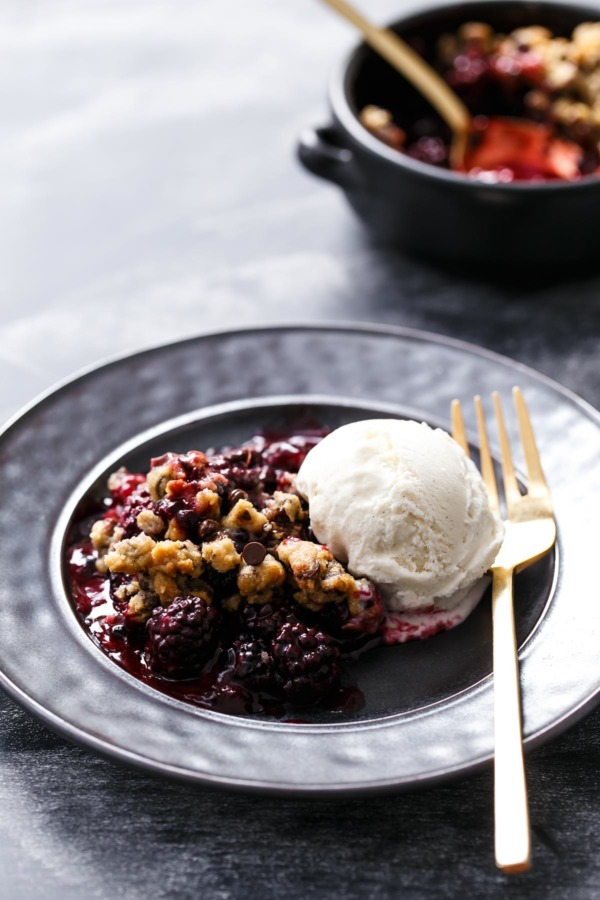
(320, 151)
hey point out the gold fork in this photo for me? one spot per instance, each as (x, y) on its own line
(530, 533)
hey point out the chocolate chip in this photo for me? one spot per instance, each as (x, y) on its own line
(207, 528)
(236, 495)
(254, 553)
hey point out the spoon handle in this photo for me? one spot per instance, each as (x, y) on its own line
(403, 58)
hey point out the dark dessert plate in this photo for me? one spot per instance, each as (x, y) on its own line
(428, 705)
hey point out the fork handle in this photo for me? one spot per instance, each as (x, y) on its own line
(511, 816)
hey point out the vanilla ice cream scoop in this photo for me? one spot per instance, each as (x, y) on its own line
(403, 505)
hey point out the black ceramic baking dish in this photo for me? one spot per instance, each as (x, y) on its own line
(435, 213)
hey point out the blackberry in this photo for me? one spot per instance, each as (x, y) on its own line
(244, 479)
(331, 618)
(178, 508)
(250, 662)
(430, 150)
(181, 637)
(240, 468)
(269, 478)
(136, 502)
(305, 662)
(284, 455)
(224, 584)
(263, 621)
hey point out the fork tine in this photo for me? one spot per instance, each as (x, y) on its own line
(511, 488)
(535, 473)
(458, 426)
(487, 466)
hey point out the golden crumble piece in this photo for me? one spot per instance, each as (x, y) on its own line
(477, 33)
(286, 504)
(158, 479)
(221, 554)
(176, 558)
(208, 504)
(537, 100)
(374, 117)
(165, 586)
(257, 583)
(139, 610)
(304, 559)
(101, 566)
(560, 74)
(319, 577)
(532, 36)
(244, 515)
(175, 532)
(590, 90)
(140, 602)
(586, 45)
(128, 589)
(380, 123)
(130, 556)
(104, 540)
(149, 522)
(569, 112)
(102, 534)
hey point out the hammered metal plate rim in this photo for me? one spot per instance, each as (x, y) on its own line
(333, 786)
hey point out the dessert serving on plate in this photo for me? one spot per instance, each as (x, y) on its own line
(427, 704)
(239, 580)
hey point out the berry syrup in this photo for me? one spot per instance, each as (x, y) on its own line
(104, 616)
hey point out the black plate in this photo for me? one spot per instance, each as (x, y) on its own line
(428, 710)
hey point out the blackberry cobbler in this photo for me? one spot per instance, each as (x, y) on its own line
(546, 86)
(203, 579)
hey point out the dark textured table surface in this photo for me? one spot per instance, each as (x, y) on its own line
(150, 191)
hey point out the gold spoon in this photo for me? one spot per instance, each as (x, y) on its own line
(427, 81)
